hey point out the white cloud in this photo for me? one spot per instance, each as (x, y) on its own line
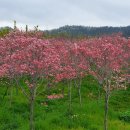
(54, 13)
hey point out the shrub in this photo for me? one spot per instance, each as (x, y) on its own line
(125, 116)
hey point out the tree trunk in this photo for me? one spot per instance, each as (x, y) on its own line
(78, 85)
(32, 100)
(79, 90)
(16, 89)
(80, 98)
(99, 94)
(106, 105)
(11, 95)
(69, 94)
(6, 91)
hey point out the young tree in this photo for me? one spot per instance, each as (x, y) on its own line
(110, 61)
(31, 57)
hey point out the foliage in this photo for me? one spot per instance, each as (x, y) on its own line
(125, 116)
(4, 31)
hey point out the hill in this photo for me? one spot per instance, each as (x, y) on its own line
(75, 31)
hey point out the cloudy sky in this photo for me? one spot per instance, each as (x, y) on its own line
(50, 14)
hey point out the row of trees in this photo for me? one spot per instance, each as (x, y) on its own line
(28, 54)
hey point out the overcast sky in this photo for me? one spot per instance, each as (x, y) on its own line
(50, 14)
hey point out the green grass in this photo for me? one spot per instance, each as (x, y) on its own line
(55, 116)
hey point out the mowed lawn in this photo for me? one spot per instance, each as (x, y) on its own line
(54, 115)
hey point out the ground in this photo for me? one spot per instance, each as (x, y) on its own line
(54, 115)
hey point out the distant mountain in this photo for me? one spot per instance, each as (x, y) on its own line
(88, 31)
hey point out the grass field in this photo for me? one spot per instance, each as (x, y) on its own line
(54, 114)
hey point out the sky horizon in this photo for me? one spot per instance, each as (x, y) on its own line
(50, 14)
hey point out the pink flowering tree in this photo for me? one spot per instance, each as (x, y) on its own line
(80, 64)
(109, 62)
(25, 55)
(66, 72)
(72, 66)
(126, 47)
(85, 52)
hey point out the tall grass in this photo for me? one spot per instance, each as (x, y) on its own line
(54, 114)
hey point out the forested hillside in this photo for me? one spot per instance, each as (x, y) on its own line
(88, 31)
